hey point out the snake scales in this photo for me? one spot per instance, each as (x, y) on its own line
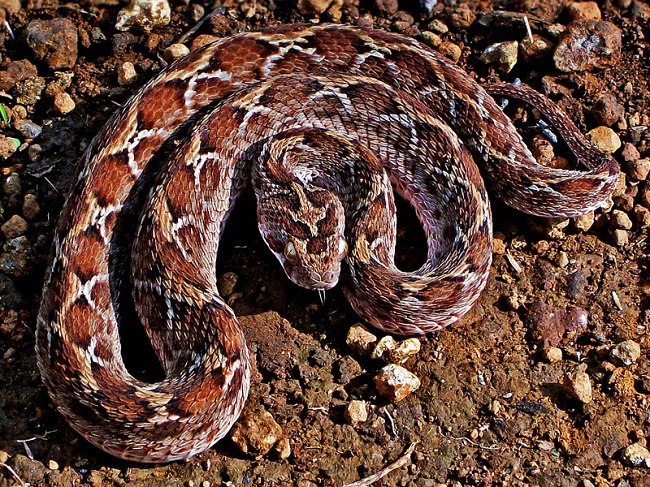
(292, 103)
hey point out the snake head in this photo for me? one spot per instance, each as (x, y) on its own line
(310, 245)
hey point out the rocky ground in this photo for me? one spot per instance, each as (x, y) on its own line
(545, 382)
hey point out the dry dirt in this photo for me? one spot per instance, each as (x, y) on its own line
(491, 410)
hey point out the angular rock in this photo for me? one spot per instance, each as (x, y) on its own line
(578, 385)
(14, 227)
(638, 170)
(16, 71)
(625, 353)
(53, 42)
(588, 44)
(502, 54)
(360, 339)
(356, 412)
(605, 139)
(636, 456)
(395, 382)
(144, 14)
(607, 110)
(256, 432)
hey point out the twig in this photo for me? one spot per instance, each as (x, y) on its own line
(11, 32)
(191, 32)
(530, 33)
(391, 423)
(15, 475)
(477, 445)
(39, 437)
(400, 462)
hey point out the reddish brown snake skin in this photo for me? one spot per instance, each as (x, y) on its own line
(296, 104)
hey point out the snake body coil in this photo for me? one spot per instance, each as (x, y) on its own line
(292, 103)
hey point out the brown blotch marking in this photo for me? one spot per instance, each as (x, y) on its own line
(87, 255)
(162, 100)
(108, 180)
(80, 313)
(329, 223)
(317, 245)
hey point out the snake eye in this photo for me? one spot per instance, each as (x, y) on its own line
(290, 252)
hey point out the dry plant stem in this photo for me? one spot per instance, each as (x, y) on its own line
(400, 462)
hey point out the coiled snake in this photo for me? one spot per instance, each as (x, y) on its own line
(297, 104)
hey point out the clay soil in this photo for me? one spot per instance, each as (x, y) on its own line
(492, 408)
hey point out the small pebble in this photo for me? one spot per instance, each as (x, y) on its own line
(624, 202)
(462, 17)
(498, 244)
(625, 353)
(542, 150)
(356, 412)
(553, 355)
(360, 339)
(4, 456)
(283, 447)
(31, 208)
(629, 153)
(256, 432)
(63, 103)
(19, 112)
(176, 51)
(18, 257)
(502, 54)
(196, 12)
(644, 196)
(578, 385)
(404, 350)
(450, 50)
(29, 130)
(126, 73)
(12, 185)
(621, 220)
(607, 110)
(34, 152)
(61, 82)
(52, 465)
(226, 283)
(583, 11)
(641, 216)
(347, 369)
(28, 92)
(620, 238)
(145, 14)
(395, 382)
(605, 139)
(638, 170)
(438, 26)
(16, 71)
(545, 445)
(8, 146)
(14, 227)
(537, 49)
(431, 38)
(383, 348)
(636, 456)
(391, 351)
